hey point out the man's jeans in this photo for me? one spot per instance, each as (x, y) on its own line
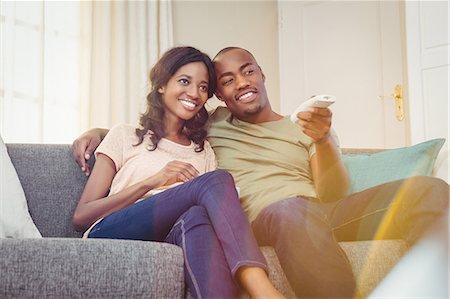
(305, 234)
(204, 217)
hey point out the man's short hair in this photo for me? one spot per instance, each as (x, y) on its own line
(227, 49)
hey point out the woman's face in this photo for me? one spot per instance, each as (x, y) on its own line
(187, 91)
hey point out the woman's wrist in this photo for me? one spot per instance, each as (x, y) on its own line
(151, 183)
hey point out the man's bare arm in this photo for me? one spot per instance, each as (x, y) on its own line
(84, 146)
(329, 174)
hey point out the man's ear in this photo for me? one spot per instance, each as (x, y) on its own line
(262, 74)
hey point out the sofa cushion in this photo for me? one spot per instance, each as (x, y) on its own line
(371, 261)
(53, 183)
(95, 268)
(276, 274)
(368, 170)
(15, 220)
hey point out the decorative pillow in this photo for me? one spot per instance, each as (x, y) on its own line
(368, 170)
(15, 220)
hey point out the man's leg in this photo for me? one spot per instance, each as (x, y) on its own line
(206, 270)
(401, 209)
(312, 260)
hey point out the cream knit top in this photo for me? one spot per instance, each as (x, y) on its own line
(136, 163)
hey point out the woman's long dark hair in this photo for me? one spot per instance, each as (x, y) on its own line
(164, 69)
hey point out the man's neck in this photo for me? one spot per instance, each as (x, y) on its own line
(263, 116)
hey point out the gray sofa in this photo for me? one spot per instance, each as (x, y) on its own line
(61, 265)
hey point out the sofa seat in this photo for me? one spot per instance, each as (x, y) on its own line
(101, 268)
(371, 261)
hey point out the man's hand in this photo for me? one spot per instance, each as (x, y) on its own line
(84, 146)
(329, 174)
(316, 123)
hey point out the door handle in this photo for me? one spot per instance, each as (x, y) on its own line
(398, 97)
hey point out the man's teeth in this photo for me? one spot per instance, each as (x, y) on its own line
(247, 95)
(187, 103)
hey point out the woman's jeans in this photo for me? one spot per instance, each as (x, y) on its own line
(305, 234)
(205, 219)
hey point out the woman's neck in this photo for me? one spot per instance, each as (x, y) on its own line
(178, 138)
(174, 131)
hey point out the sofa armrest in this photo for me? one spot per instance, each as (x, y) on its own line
(97, 268)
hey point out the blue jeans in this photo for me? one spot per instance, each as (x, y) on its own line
(203, 211)
(305, 234)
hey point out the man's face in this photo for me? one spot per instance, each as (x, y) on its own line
(240, 83)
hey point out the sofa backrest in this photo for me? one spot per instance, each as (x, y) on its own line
(52, 182)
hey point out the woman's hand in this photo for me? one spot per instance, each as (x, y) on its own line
(174, 171)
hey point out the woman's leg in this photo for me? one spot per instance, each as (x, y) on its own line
(152, 219)
(205, 268)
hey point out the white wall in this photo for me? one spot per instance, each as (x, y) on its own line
(213, 25)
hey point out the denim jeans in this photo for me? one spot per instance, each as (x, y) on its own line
(305, 234)
(203, 211)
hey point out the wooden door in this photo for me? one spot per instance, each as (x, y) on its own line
(350, 49)
(428, 52)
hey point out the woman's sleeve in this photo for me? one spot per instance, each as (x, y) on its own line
(211, 163)
(112, 145)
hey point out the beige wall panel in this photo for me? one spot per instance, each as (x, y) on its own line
(213, 25)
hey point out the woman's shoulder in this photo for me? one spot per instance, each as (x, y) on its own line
(208, 148)
(123, 132)
(124, 127)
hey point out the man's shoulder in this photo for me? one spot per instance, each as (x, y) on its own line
(220, 113)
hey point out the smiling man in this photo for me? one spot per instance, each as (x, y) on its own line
(293, 185)
(242, 86)
(249, 126)
(280, 169)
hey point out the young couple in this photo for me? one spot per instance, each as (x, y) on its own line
(293, 185)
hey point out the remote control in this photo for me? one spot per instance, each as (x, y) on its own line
(320, 101)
